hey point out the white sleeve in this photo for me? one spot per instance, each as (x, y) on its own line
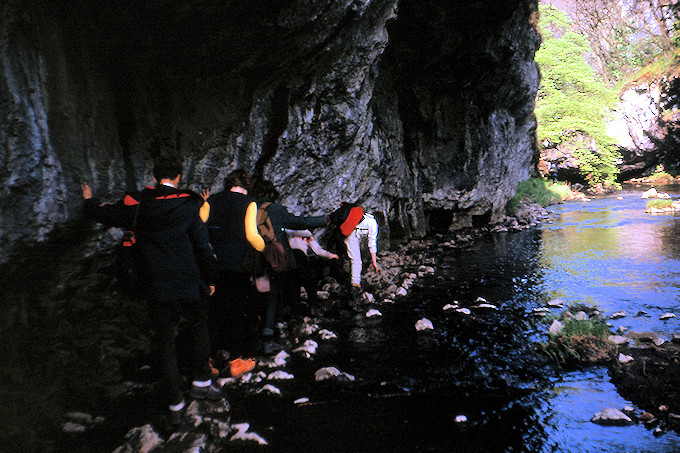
(317, 249)
(372, 233)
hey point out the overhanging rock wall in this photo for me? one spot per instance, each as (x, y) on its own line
(413, 108)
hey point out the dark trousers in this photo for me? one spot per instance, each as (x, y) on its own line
(233, 313)
(281, 297)
(305, 276)
(166, 318)
(269, 301)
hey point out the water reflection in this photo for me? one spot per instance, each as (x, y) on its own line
(569, 408)
(610, 253)
(607, 253)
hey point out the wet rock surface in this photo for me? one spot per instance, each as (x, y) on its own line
(416, 109)
(651, 381)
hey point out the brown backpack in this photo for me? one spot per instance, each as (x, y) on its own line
(274, 252)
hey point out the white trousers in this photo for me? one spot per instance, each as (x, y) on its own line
(353, 243)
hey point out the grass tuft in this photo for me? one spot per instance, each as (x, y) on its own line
(659, 203)
(538, 190)
(582, 341)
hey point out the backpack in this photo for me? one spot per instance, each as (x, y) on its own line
(274, 252)
(347, 217)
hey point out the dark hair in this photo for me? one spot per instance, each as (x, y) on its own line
(167, 167)
(238, 178)
(265, 189)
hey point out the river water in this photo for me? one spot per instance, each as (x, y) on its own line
(413, 387)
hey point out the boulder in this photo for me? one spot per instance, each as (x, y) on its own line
(556, 328)
(424, 324)
(611, 417)
(651, 193)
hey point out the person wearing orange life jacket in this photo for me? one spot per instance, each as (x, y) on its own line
(176, 264)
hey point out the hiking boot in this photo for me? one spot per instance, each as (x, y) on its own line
(175, 416)
(239, 367)
(272, 346)
(209, 393)
(355, 299)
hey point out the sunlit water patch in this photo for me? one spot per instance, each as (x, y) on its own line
(610, 253)
(571, 405)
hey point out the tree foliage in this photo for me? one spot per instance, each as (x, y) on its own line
(624, 35)
(573, 102)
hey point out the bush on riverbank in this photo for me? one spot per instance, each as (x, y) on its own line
(659, 177)
(660, 203)
(538, 190)
(578, 337)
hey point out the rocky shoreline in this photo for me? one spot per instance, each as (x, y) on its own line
(644, 367)
(649, 379)
(648, 375)
(208, 425)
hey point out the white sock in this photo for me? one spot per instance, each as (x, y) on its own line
(177, 407)
(202, 383)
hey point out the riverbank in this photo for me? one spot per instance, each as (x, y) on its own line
(307, 334)
(341, 364)
(650, 379)
(660, 178)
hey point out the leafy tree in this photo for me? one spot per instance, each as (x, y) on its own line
(573, 103)
(624, 35)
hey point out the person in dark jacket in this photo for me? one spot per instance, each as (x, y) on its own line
(232, 227)
(281, 285)
(176, 264)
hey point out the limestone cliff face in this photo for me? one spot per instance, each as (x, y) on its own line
(413, 108)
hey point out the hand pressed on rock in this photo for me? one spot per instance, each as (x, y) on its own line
(87, 190)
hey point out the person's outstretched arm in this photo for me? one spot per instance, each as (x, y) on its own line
(317, 249)
(116, 214)
(252, 235)
(293, 222)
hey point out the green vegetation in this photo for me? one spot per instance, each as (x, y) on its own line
(659, 203)
(660, 177)
(573, 103)
(582, 340)
(664, 66)
(538, 190)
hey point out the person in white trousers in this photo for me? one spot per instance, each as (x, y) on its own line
(367, 228)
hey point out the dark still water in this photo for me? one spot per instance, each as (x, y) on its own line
(413, 388)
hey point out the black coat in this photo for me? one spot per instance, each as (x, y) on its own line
(174, 257)
(227, 230)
